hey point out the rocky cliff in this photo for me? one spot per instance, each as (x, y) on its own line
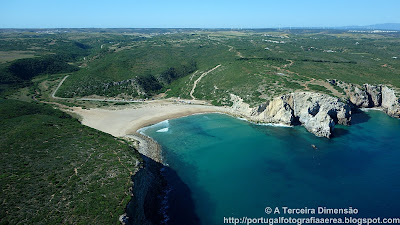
(148, 185)
(318, 113)
(369, 96)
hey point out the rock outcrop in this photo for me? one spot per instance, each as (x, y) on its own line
(390, 102)
(359, 97)
(318, 113)
(368, 96)
(149, 184)
(374, 94)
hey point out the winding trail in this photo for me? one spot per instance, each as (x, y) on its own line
(291, 63)
(231, 49)
(53, 95)
(198, 80)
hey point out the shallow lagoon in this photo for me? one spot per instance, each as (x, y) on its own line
(232, 168)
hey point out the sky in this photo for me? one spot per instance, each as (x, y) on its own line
(195, 14)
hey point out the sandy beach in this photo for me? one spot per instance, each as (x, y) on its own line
(122, 122)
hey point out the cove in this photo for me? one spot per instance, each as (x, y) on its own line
(233, 168)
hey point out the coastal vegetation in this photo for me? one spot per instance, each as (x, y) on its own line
(56, 170)
(255, 64)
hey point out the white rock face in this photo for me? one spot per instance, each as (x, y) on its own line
(375, 96)
(390, 102)
(239, 107)
(279, 110)
(359, 97)
(318, 113)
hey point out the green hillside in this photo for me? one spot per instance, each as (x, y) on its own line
(56, 171)
(255, 64)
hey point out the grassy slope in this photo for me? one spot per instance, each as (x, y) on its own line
(148, 57)
(41, 147)
(55, 170)
(247, 68)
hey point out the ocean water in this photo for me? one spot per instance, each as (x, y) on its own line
(226, 167)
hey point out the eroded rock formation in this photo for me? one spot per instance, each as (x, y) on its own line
(369, 96)
(318, 113)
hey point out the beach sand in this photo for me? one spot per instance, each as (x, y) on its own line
(122, 122)
(125, 121)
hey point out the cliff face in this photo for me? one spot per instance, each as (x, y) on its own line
(318, 113)
(390, 102)
(369, 96)
(145, 204)
(148, 185)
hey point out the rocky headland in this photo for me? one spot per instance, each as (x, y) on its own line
(372, 96)
(319, 113)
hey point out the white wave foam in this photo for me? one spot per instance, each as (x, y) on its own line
(274, 125)
(162, 125)
(163, 130)
(371, 109)
(263, 124)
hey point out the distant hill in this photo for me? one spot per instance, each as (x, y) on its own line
(382, 26)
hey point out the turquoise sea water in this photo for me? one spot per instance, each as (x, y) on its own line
(231, 168)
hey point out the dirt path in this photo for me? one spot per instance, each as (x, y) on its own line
(198, 80)
(238, 54)
(324, 84)
(53, 95)
(307, 83)
(286, 65)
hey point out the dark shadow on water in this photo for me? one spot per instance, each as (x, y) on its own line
(181, 206)
(338, 132)
(150, 189)
(182, 209)
(359, 117)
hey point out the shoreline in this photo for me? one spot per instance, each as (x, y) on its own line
(120, 122)
(126, 122)
(155, 120)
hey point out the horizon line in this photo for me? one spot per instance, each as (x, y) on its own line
(211, 28)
